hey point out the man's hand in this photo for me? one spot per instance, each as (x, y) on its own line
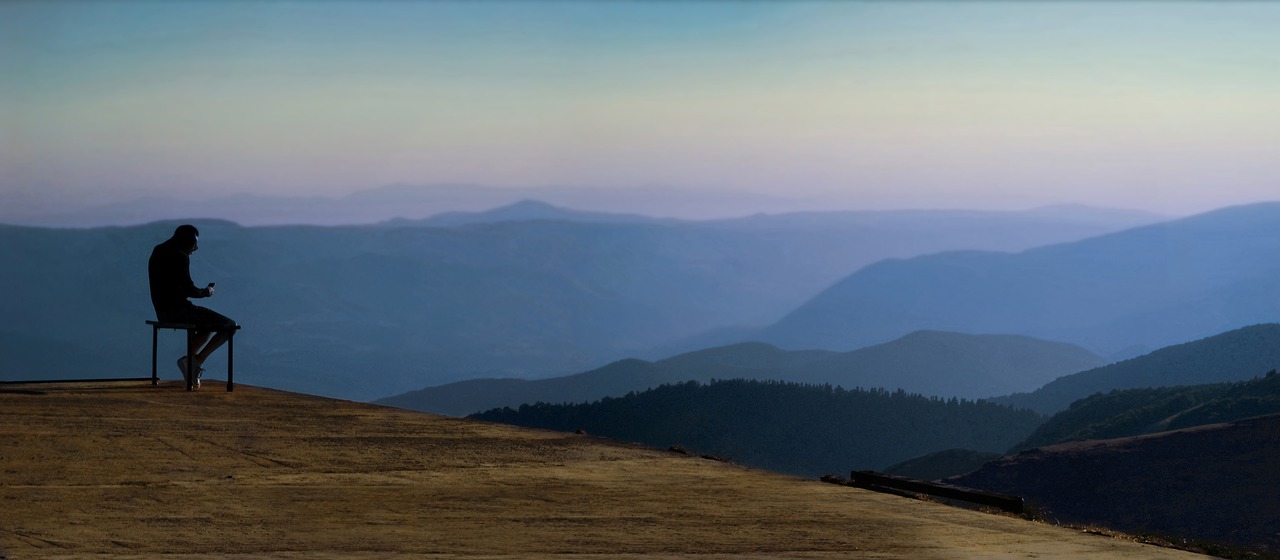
(208, 291)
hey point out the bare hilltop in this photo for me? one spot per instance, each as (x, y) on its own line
(126, 470)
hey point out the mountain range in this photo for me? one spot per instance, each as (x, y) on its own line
(928, 362)
(363, 312)
(1146, 287)
(49, 208)
(1235, 355)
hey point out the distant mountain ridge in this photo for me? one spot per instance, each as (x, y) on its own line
(378, 204)
(1149, 286)
(1236, 355)
(524, 210)
(42, 208)
(928, 363)
(615, 379)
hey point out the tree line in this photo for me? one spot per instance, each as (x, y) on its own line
(802, 429)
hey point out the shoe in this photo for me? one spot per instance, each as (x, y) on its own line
(196, 373)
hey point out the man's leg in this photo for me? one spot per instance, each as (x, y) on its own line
(189, 363)
(198, 339)
(218, 340)
(214, 320)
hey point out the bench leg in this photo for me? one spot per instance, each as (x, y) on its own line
(155, 378)
(190, 373)
(231, 360)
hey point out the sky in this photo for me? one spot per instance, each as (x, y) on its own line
(1172, 107)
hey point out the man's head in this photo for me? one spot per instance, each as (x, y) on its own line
(187, 237)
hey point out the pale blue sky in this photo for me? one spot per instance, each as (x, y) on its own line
(1166, 106)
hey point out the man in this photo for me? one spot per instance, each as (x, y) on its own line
(169, 270)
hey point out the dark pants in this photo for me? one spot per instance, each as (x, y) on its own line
(196, 315)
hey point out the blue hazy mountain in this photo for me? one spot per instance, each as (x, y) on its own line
(368, 311)
(1149, 287)
(928, 363)
(1236, 355)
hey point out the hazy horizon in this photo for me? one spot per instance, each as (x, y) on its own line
(1165, 107)
(420, 202)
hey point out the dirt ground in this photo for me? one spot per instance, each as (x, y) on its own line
(125, 470)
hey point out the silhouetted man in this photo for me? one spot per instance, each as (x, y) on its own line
(169, 270)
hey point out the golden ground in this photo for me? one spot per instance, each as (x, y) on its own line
(125, 470)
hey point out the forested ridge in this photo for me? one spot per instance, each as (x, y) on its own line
(1132, 412)
(808, 430)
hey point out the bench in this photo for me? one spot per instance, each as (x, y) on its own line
(191, 333)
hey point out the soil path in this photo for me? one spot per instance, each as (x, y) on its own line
(125, 470)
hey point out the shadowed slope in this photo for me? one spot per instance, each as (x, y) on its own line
(115, 470)
(1215, 482)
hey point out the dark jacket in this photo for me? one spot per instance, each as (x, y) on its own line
(169, 270)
